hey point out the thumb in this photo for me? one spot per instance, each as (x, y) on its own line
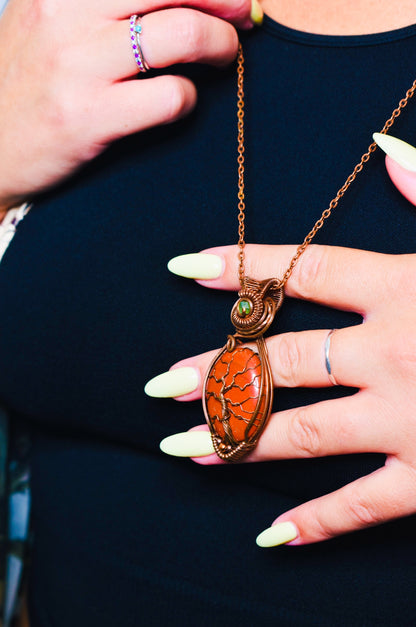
(400, 164)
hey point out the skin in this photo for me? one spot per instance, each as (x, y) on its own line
(50, 128)
(340, 17)
(64, 70)
(404, 180)
(378, 357)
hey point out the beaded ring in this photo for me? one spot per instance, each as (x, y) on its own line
(135, 32)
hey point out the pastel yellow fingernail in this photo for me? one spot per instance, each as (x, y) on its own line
(401, 152)
(188, 444)
(173, 383)
(197, 266)
(256, 14)
(280, 533)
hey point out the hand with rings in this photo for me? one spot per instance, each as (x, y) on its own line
(65, 70)
(378, 357)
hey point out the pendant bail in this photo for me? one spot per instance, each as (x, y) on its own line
(256, 307)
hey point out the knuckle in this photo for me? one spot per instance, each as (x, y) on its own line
(229, 43)
(240, 8)
(361, 511)
(66, 119)
(176, 98)
(321, 526)
(304, 434)
(399, 274)
(58, 110)
(400, 352)
(62, 106)
(410, 474)
(289, 356)
(192, 34)
(312, 270)
(407, 347)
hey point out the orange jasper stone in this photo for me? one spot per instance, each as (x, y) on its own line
(234, 398)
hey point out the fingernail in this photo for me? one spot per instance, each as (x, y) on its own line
(280, 533)
(188, 444)
(197, 266)
(256, 14)
(175, 382)
(401, 152)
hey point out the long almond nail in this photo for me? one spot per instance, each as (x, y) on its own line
(197, 266)
(173, 383)
(188, 444)
(401, 152)
(256, 14)
(280, 533)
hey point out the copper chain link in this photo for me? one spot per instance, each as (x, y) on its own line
(334, 202)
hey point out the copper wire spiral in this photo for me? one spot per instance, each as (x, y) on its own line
(265, 298)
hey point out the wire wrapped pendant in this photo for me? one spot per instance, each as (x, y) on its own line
(238, 390)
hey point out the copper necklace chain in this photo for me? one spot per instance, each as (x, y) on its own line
(334, 202)
(238, 389)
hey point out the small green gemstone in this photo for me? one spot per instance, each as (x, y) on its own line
(245, 307)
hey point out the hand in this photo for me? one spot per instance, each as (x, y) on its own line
(378, 357)
(64, 70)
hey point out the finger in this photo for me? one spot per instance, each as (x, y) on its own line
(168, 37)
(137, 105)
(235, 11)
(357, 424)
(400, 163)
(345, 278)
(386, 494)
(302, 359)
(404, 180)
(299, 360)
(361, 423)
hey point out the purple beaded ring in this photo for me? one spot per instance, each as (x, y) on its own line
(135, 32)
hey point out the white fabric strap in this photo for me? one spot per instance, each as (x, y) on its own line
(9, 224)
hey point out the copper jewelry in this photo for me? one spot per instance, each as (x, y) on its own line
(135, 32)
(327, 348)
(238, 389)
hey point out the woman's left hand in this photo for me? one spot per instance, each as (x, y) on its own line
(378, 357)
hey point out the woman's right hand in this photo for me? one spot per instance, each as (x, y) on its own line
(64, 70)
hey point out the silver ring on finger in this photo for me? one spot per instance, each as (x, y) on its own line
(136, 30)
(328, 366)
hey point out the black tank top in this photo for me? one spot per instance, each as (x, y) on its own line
(124, 535)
